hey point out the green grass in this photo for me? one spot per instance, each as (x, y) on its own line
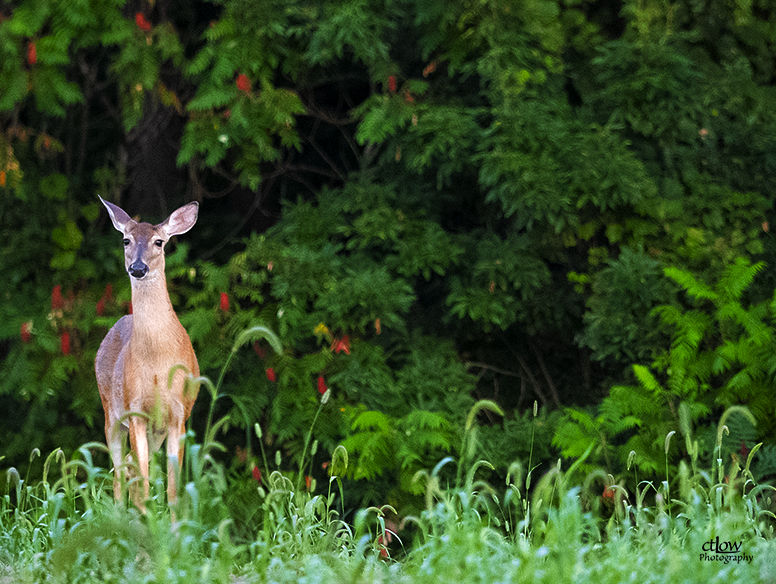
(72, 531)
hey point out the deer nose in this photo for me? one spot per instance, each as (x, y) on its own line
(138, 269)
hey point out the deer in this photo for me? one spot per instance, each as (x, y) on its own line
(146, 367)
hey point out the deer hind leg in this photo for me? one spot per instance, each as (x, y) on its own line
(138, 440)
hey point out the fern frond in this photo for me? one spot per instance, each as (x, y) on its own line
(647, 380)
(424, 420)
(751, 320)
(372, 420)
(741, 381)
(691, 284)
(626, 423)
(737, 278)
(582, 418)
(724, 357)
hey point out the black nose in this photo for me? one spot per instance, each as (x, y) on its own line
(138, 270)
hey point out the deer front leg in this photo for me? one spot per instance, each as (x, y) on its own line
(174, 459)
(138, 440)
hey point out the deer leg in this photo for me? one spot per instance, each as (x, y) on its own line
(138, 439)
(114, 437)
(174, 460)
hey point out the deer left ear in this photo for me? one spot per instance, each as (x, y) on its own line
(181, 220)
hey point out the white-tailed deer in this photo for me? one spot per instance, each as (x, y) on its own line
(137, 355)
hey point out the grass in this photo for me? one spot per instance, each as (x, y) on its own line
(72, 531)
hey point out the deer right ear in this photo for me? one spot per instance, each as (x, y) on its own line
(117, 215)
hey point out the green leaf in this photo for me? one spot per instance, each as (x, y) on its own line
(54, 186)
(68, 236)
(63, 260)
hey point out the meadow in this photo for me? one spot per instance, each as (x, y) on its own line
(698, 526)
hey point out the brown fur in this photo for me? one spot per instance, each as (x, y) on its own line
(134, 361)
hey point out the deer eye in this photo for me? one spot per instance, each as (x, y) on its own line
(158, 243)
(126, 242)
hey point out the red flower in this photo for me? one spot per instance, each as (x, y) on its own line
(321, 385)
(101, 307)
(141, 21)
(32, 53)
(271, 374)
(378, 326)
(65, 342)
(260, 351)
(243, 83)
(392, 83)
(224, 302)
(257, 474)
(130, 308)
(608, 493)
(308, 481)
(26, 331)
(342, 344)
(56, 298)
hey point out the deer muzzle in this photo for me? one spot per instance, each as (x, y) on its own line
(138, 269)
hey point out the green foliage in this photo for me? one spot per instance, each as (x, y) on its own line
(484, 182)
(238, 105)
(720, 357)
(405, 445)
(522, 437)
(619, 325)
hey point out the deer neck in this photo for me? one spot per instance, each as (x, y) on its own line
(152, 312)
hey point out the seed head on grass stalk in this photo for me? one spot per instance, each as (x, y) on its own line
(469, 443)
(247, 336)
(324, 400)
(723, 429)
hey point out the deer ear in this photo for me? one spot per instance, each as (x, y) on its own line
(181, 220)
(117, 215)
